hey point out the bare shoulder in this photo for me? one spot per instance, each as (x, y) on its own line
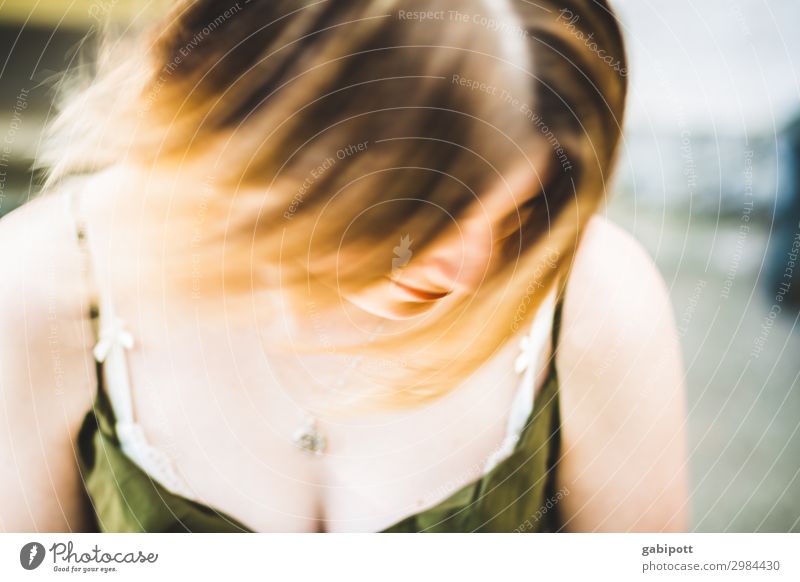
(46, 377)
(622, 394)
(615, 298)
(43, 283)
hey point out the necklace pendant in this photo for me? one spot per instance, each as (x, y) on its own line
(308, 438)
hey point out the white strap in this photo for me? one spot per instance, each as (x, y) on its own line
(113, 338)
(110, 350)
(533, 351)
(113, 341)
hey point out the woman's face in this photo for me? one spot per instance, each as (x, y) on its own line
(455, 264)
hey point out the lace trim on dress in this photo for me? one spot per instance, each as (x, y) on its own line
(110, 350)
(533, 352)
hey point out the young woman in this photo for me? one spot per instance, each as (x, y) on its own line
(337, 266)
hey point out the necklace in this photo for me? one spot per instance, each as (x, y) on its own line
(309, 436)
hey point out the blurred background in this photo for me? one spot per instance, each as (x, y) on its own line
(709, 182)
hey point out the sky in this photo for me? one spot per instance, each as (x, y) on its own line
(725, 66)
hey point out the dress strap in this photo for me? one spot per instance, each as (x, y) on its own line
(110, 336)
(555, 332)
(557, 314)
(114, 405)
(529, 364)
(72, 209)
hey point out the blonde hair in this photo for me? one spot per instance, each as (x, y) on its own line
(333, 126)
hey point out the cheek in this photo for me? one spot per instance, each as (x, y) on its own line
(458, 263)
(476, 252)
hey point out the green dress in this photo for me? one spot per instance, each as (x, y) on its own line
(517, 495)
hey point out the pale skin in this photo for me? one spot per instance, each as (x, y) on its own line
(226, 427)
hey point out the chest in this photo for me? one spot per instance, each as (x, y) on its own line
(225, 421)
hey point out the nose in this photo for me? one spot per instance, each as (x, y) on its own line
(459, 261)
